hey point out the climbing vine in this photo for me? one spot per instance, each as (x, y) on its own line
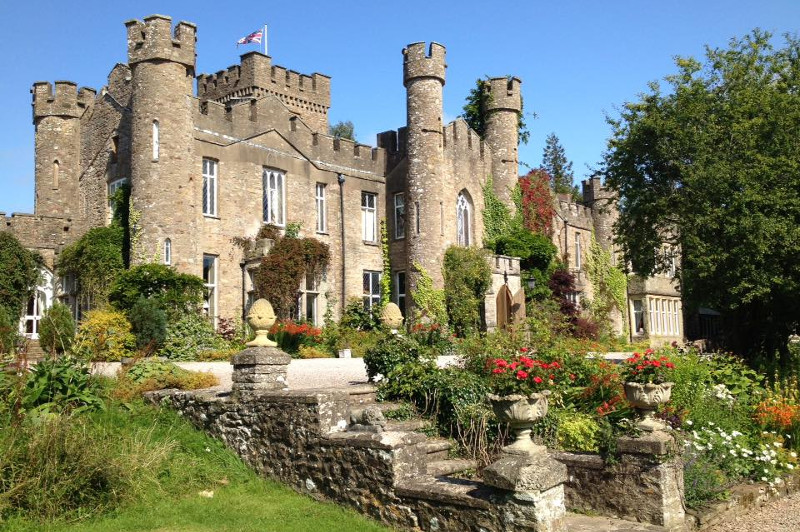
(609, 282)
(497, 220)
(537, 202)
(386, 277)
(429, 303)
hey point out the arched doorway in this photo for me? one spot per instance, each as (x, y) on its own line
(503, 304)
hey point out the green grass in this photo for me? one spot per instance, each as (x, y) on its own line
(166, 497)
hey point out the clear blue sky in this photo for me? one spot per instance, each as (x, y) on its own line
(578, 60)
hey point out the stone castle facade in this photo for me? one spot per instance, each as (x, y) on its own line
(250, 146)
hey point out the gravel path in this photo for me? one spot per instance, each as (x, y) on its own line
(782, 515)
(303, 373)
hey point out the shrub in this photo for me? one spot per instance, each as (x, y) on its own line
(60, 385)
(148, 324)
(152, 374)
(535, 251)
(390, 351)
(104, 335)
(189, 336)
(356, 316)
(578, 432)
(307, 351)
(467, 276)
(95, 260)
(56, 329)
(19, 273)
(290, 336)
(176, 293)
(429, 302)
(9, 331)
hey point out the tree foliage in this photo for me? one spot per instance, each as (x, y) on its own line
(475, 111)
(555, 162)
(175, 292)
(537, 202)
(19, 273)
(94, 260)
(344, 129)
(713, 165)
(467, 277)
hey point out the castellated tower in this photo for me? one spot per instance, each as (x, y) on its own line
(502, 134)
(57, 119)
(423, 77)
(164, 179)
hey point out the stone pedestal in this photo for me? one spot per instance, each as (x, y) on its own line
(258, 369)
(535, 484)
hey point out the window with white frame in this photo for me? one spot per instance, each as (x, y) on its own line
(274, 197)
(577, 251)
(463, 220)
(322, 214)
(574, 298)
(399, 215)
(372, 289)
(155, 140)
(210, 283)
(167, 251)
(369, 216)
(400, 288)
(209, 187)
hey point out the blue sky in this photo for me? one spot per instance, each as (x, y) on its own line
(578, 60)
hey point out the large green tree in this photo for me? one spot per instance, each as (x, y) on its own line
(713, 165)
(554, 160)
(19, 273)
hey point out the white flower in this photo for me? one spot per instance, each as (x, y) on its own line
(764, 479)
(710, 423)
(789, 466)
(689, 422)
(773, 462)
(793, 454)
(733, 452)
(777, 444)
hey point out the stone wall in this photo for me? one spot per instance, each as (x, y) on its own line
(299, 438)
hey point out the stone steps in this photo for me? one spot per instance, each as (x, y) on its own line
(592, 523)
(363, 394)
(441, 468)
(437, 448)
(409, 425)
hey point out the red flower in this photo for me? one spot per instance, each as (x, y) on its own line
(500, 363)
(572, 376)
(537, 380)
(522, 375)
(498, 370)
(524, 350)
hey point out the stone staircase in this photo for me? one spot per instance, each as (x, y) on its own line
(439, 463)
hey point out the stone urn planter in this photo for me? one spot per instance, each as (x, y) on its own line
(520, 412)
(645, 398)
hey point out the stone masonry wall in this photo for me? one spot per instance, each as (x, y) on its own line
(298, 437)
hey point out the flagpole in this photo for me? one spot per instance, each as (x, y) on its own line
(265, 40)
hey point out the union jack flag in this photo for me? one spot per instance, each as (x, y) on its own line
(255, 37)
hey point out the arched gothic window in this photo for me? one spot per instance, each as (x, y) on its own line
(463, 220)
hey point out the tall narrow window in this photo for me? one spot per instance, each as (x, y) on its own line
(577, 251)
(167, 251)
(311, 296)
(463, 220)
(676, 317)
(112, 193)
(210, 283)
(372, 289)
(274, 199)
(416, 216)
(369, 217)
(399, 215)
(155, 140)
(56, 170)
(652, 307)
(322, 214)
(400, 286)
(209, 187)
(638, 317)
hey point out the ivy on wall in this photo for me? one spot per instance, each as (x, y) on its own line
(429, 303)
(610, 284)
(386, 277)
(467, 277)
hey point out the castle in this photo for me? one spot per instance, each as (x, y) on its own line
(250, 146)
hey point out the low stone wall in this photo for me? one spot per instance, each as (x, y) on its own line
(645, 484)
(299, 437)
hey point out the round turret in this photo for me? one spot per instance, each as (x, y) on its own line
(502, 133)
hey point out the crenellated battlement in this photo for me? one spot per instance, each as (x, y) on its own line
(575, 213)
(256, 77)
(154, 39)
(459, 138)
(246, 120)
(504, 94)
(66, 100)
(420, 61)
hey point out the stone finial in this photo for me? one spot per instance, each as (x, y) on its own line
(261, 317)
(391, 316)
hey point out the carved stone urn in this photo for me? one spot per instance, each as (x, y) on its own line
(392, 317)
(645, 398)
(261, 317)
(520, 412)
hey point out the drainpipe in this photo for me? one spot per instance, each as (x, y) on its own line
(340, 179)
(244, 297)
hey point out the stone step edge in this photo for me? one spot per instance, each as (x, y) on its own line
(460, 492)
(440, 468)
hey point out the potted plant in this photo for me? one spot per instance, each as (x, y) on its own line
(520, 386)
(648, 384)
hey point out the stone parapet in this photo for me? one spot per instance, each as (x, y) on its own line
(259, 369)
